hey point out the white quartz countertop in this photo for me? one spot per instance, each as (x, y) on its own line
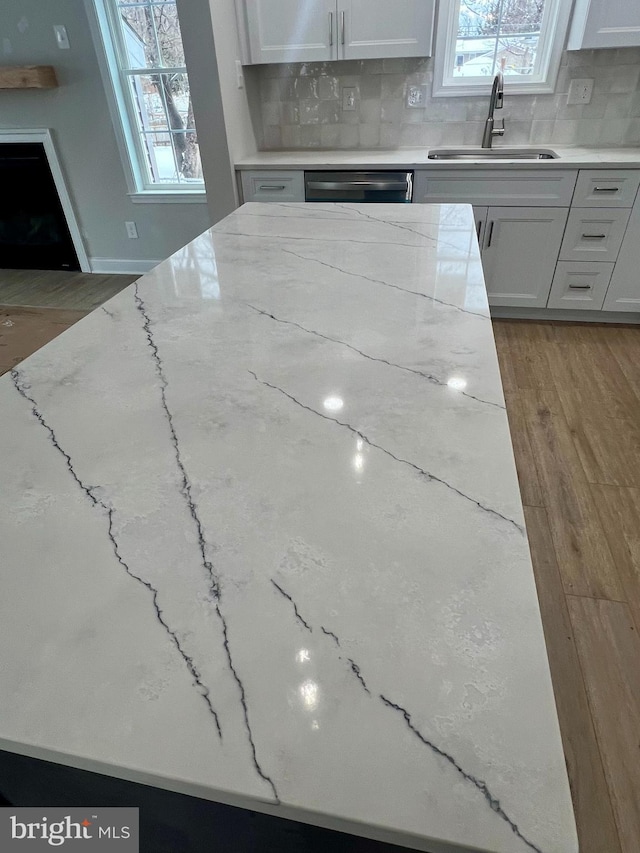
(262, 539)
(411, 158)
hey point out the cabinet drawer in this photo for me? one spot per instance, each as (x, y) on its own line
(580, 285)
(517, 187)
(273, 186)
(594, 235)
(606, 188)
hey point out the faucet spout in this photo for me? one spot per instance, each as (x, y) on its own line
(496, 102)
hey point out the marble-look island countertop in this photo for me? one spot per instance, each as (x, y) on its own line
(262, 539)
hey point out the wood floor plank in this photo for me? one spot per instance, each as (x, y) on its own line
(609, 651)
(625, 346)
(588, 377)
(592, 806)
(505, 358)
(25, 330)
(58, 289)
(584, 557)
(619, 511)
(530, 490)
(609, 448)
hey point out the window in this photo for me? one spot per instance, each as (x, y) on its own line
(478, 38)
(146, 64)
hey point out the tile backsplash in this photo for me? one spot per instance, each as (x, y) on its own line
(300, 106)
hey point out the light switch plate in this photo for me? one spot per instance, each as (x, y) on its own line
(132, 231)
(62, 39)
(580, 92)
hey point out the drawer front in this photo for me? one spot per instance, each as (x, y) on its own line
(273, 186)
(594, 235)
(501, 187)
(606, 188)
(581, 286)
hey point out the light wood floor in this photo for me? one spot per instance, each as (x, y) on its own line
(573, 399)
(77, 291)
(37, 305)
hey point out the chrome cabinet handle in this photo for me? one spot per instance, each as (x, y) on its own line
(594, 236)
(342, 27)
(490, 234)
(479, 226)
(606, 189)
(330, 29)
(579, 287)
(272, 187)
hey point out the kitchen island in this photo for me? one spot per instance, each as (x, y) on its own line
(263, 541)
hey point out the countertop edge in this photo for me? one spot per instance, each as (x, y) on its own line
(623, 158)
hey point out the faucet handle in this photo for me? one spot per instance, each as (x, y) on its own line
(499, 131)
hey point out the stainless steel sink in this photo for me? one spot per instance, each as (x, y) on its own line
(492, 154)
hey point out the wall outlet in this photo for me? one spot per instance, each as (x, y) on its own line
(132, 231)
(416, 96)
(62, 39)
(349, 98)
(580, 92)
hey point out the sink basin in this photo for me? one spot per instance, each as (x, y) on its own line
(492, 154)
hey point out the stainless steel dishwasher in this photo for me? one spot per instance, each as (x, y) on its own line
(371, 187)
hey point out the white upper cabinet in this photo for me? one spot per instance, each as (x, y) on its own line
(605, 23)
(323, 30)
(291, 31)
(380, 29)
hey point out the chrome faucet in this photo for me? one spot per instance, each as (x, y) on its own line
(496, 102)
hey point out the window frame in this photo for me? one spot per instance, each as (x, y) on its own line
(552, 38)
(109, 48)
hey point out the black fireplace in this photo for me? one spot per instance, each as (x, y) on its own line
(33, 229)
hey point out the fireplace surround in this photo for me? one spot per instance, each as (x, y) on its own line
(38, 229)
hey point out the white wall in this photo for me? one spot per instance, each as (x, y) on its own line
(78, 114)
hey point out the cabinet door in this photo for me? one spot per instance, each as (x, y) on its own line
(521, 247)
(292, 31)
(624, 290)
(375, 29)
(480, 216)
(605, 23)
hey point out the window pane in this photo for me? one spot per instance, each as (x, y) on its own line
(497, 35)
(169, 37)
(139, 37)
(160, 158)
(151, 32)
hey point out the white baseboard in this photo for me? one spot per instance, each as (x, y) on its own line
(116, 265)
(568, 314)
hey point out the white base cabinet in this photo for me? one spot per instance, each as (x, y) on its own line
(519, 252)
(624, 290)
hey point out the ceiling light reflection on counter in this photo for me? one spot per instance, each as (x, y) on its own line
(457, 383)
(358, 461)
(333, 404)
(309, 694)
(303, 655)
